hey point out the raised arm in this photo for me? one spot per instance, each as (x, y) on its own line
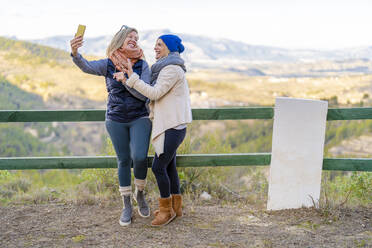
(95, 67)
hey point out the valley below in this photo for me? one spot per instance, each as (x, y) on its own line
(50, 73)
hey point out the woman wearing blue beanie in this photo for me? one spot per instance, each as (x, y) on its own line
(170, 111)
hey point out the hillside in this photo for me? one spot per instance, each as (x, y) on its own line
(22, 139)
(47, 79)
(232, 56)
(63, 208)
(231, 89)
(50, 73)
(66, 79)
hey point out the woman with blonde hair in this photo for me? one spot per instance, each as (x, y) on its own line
(170, 111)
(127, 120)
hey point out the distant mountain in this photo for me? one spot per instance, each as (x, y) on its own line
(203, 52)
(198, 48)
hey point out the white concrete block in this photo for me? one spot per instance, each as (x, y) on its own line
(297, 153)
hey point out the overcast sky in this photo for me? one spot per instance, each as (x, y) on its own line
(319, 24)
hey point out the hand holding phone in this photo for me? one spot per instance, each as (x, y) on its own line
(80, 30)
(77, 41)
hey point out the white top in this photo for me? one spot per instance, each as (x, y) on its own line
(180, 127)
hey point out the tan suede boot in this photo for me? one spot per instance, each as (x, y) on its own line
(177, 204)
(165, 214)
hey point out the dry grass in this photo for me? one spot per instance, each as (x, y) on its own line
(49, 80)
(218, 87)
(263, 90)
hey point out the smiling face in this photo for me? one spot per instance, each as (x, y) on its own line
(131, 40)
(161, 50)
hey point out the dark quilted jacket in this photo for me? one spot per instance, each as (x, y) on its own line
(124, 104)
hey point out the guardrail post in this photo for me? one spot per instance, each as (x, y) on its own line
(297, 153)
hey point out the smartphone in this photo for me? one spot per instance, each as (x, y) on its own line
(80, 30)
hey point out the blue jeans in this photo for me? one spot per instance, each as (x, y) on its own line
(131, 144)
(164, 166)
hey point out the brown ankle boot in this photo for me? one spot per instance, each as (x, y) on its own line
(177, 204)
(165, 214)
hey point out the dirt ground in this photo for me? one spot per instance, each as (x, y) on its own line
(203, 225)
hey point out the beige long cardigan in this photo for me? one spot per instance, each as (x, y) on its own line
(170, 102)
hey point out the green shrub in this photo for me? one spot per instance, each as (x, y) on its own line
(102, 179)
(6, 193)
(38, 196)
(347, 188)
(5, 175)
(361, 186)
(18, 184)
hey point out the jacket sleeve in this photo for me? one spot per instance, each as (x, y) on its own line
(95, 67)
(146, 74)
(168, 77)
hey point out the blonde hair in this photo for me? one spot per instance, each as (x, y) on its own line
(118, 40)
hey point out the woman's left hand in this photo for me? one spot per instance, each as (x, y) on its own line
(116, 58)
(129, 70)
(119, 76)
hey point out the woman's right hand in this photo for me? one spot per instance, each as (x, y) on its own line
(119, 76)
(75, 44)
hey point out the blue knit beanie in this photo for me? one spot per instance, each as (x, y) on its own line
(173, 42)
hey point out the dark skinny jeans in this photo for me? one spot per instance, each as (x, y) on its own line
(131, 144)
(164, 166)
